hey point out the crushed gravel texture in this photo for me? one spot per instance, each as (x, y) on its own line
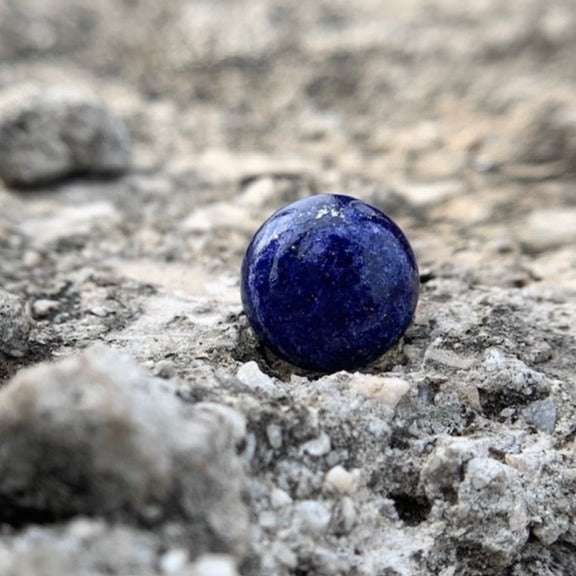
(143, 429)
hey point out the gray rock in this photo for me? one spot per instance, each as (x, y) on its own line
(542, 415)
(43, 307)
(312, 516)
(96, 435)
(490, 515)
(50, 132)
(505, 374)
(15, 324)
(443, 470)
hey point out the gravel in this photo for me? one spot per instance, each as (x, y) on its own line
(15, 324)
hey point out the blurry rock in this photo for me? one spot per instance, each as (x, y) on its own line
(312, 516)
(213, 565)
(57, 222)
(549, 228)
(540, 352)
(15, 324)
(79, 548)
(536, 141)
(52, 132)
(340, 480)
(96, 435)
(43, 307)
(543, 135)
(87, 547)
(424, 196)
(317, 447)
(542, 415)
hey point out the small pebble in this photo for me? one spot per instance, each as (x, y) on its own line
(165, 369)
(312, 516)
(279, 498)
(44, 307)
(378, 428)
(284, 555)
(542, 415)
(387, 390)
(349, 514)
(449, 358)
(15, 324)
(540, 352)
(268, 520)
(173, 561)
(31, 259)
(251, 375)
(214, 565)
(100, 311)
(340, 479)
(318, 446)
(274, 436)
(507, 412)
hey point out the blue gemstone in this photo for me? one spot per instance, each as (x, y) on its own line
(329, 283)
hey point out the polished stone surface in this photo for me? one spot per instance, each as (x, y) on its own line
(329, 283)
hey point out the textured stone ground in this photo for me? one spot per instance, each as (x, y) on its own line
(452, 455)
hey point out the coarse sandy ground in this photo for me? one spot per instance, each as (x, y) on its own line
(454, 453)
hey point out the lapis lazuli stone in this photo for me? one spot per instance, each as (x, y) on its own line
(329, 283)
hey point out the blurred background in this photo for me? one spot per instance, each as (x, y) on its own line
(457, 118)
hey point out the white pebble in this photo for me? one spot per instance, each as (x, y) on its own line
(214, 565)
(268, 520)
(274, 436)
(173, 561)
(348, 513)
(31, 259)
(251, 375)
(99, 311)
(388, 390)
(449, 358)
(279, 498)
(312, 516)
(340, 479)
(318, 446)
(43, 307)
(165, 369)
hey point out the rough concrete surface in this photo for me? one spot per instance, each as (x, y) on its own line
(178, 445)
